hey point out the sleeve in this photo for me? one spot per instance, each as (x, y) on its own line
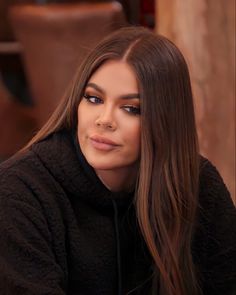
(220, 276)
(27, 263)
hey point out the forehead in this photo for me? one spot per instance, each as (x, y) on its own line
(117, 75)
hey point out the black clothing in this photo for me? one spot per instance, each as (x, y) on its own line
(62, 232)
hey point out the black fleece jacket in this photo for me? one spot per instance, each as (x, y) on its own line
(62, 232)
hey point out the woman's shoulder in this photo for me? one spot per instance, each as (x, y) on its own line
(215, 203)
(21, 169)
(215, 234)
(216, 206)
(211, 182)
(16, 193)
(27, 159)
(209, 173)
(16, 165)
(28, 179)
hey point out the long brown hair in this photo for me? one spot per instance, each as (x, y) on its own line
(167, 186)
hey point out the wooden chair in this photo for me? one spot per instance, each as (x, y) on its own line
(55, 39)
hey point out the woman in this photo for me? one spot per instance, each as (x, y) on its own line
(111, 196)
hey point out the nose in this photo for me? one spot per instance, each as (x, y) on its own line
(106, 119)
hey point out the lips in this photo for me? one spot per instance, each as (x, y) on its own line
(101, 139)
(102, 143)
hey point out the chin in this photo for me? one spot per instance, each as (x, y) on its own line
(110, 161)
(103, 166)
(109, 165)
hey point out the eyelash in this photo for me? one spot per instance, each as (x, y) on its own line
(132, 110)
(89, 97)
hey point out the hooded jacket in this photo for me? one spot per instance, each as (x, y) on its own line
(63, 232)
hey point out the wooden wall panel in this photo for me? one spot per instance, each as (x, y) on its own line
(204, 30)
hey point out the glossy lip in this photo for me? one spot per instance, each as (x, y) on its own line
(101, 139)
(102, 143)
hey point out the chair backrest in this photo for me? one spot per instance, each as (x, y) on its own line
(6, 33)
(55, 39)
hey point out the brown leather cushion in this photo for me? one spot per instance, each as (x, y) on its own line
(55, 39)
(5, 29)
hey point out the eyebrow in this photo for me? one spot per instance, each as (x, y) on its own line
(102, 91)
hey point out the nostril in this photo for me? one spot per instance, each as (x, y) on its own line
(105, 124)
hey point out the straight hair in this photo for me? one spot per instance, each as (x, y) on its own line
(166, 194)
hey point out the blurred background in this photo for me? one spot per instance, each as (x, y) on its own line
(42, 42)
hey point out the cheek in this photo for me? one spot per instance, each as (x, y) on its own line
(83, 121)
(81, 126)
(132, 138)
(79, 118)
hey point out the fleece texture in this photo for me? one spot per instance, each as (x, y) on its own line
(62, 232)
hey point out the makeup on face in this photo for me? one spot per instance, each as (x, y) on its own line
(109, 118)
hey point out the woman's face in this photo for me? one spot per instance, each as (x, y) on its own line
(109, 118)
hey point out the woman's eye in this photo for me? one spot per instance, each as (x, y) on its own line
(92, 99)
(132, 110)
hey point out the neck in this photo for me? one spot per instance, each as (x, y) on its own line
(121, 179)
